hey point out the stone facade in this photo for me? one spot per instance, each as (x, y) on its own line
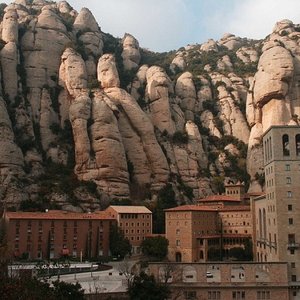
(224, 280)
(54, 234)
(185, 226)
(134, 221)
(194, 230)
(277, 235)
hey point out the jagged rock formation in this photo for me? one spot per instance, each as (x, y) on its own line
(94, 118)
(273, 97)
(131, 52)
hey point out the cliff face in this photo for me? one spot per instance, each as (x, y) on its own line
(92, 118)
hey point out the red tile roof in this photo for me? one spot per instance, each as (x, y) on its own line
(209, 208)
(192, 208)
(130, 209)
(59, 215)
(212, 198)
(235, 208)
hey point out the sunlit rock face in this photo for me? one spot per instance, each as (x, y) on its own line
(131, 52)
(273, 94)
(102, 109)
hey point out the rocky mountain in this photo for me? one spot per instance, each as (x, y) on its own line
(87, 118)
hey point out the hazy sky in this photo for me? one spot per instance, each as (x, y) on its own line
(163, 25)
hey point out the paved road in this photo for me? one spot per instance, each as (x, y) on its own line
(108, 281)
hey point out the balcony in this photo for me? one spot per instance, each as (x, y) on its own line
(293, 245)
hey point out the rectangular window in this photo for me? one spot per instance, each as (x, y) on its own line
(293, 265)
(291, 238)
(263, 295)
(214, 295)
(289, 194)
(294, 293)
(177, 242)
(238, 295)
(294, 278)
(290, 207)
(288, 180)
(291, 221)
(190, 295)
(288, 167)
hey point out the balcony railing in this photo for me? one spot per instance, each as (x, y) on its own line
(293, 245)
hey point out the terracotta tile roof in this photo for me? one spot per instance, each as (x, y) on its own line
(131, 209)
(235, 208)
(209, 208)
(192, 208)
(59, 215)
(218, 198)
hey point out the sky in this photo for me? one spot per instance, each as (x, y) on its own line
(163, 25)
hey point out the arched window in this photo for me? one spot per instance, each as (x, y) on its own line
(265, 151)
(264, 224)
(297, 144)
(268, 150)
(285, 145)
(260, 224)
(178, 257)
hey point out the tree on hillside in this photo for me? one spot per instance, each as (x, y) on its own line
(166, 199)
(156, 247)
(65, 290)
(145, 287)
(119, 245)
(26, 287)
